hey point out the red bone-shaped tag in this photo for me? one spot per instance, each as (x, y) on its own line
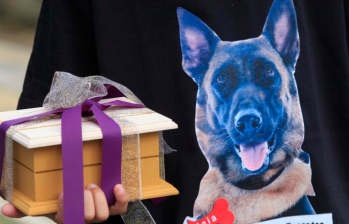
(220, 214)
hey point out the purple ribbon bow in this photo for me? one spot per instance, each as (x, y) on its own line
(72, 150)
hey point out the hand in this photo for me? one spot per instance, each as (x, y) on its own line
(11, 212)
(96, 206)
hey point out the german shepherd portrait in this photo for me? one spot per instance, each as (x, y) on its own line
(249, 123)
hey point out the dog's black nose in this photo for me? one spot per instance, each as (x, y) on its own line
(248, 121)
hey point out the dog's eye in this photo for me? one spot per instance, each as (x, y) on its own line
(270, 73)
(221, 79)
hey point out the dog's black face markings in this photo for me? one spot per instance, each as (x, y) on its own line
(243, 111)
(244, 86)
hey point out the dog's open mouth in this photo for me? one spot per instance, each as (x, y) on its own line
(255, 156)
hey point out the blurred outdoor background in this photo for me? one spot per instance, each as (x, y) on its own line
(18, 21)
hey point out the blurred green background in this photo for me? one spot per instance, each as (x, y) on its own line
(18, 21)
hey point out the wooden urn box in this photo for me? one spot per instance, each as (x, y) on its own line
(37, 159)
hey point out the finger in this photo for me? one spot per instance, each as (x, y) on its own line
(60, 211)
(10, 211)
(120, 206)
(60, 200)
(100, 202)
(90, 212)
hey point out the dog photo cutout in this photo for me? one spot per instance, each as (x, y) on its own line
(249, 123)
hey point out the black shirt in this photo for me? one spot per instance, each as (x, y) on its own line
(136, 43)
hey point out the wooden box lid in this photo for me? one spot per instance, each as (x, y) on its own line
(48, 133)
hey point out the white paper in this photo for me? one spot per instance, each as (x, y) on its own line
(305, 219)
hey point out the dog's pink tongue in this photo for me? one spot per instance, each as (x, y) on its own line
(253, 155)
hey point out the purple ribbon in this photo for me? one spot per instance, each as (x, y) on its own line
(72, 151)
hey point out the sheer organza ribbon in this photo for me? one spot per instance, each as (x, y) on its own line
(72, 147)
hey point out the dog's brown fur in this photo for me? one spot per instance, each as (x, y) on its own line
(254, 206)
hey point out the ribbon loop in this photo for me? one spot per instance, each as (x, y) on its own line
(69, 91)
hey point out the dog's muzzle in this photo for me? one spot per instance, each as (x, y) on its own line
(254, 155)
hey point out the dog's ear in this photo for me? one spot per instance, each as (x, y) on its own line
(282, 31)
(198, 43)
